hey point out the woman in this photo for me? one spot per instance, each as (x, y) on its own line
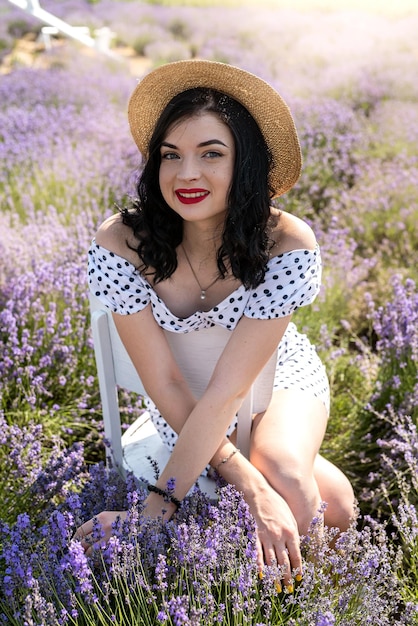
(203, 246)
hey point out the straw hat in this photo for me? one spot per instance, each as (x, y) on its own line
(272, 114)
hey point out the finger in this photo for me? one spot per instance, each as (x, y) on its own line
(265, 552)
(83, 530)
(270, 556)
(285, 569)
(89, 545)
(295, 557)
(83, 534)
(85, 540)
(271, 560)
(260, 557)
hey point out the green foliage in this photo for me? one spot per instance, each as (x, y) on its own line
(179, 28)
(359, 191)
(19, 28)
(140, 43)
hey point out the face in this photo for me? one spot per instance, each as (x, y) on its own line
(197, 160)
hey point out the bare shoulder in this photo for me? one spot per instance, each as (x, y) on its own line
(117, 237)
(291, 233)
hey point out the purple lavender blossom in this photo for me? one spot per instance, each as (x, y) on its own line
(64, 163)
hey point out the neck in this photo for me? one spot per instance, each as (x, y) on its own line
(201, 243)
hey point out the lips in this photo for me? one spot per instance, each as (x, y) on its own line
(191, 196)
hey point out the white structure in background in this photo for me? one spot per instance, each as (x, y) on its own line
(101, 41)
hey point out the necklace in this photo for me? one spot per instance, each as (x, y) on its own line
(202, 291)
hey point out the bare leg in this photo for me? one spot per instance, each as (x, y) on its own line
(336, 491)
(284, 447)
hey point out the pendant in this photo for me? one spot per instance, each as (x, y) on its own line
(202, 294)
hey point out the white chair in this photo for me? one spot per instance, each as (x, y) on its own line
(196, 353)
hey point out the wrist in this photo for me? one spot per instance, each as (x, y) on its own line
(225, 459)
(165, 494)
(237, 470)
(160, 503)
(254, 486)
(224, 451)
(155, 507)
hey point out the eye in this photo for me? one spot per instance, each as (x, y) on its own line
(212, 154)
(169, 156)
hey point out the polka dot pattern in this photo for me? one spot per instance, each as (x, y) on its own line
(292, 280)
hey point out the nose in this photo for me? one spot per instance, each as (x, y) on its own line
(189, 169)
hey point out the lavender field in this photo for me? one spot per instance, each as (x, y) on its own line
(67, 160)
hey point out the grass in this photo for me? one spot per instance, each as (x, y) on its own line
(358, 190)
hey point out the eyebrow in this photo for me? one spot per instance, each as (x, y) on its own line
(203, 144)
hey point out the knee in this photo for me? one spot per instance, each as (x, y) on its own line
(341, 506)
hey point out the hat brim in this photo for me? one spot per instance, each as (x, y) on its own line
(269, 110)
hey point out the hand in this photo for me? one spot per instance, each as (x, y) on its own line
(105, 520)
(154, 506)
(278, 540)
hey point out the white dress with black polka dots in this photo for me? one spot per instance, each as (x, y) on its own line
(292, 280)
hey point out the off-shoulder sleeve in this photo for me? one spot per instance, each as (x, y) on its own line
(292, 280)
(116, 282)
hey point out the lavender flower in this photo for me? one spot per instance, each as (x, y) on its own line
(65, 162)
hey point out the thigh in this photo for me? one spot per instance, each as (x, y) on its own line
(290, 431)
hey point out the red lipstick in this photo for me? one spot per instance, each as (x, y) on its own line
(191, 196)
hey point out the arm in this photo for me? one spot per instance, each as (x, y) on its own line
(151, 355)
(202, 439)
(202, 424)
(250, 346)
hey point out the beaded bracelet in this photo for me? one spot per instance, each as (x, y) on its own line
(167, 496)
(227, 458)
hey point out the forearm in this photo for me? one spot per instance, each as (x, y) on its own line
(237, 470)
(233, 467)
(203, 433)
(175, 403)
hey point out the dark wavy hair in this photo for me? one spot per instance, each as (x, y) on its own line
(245, 240)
